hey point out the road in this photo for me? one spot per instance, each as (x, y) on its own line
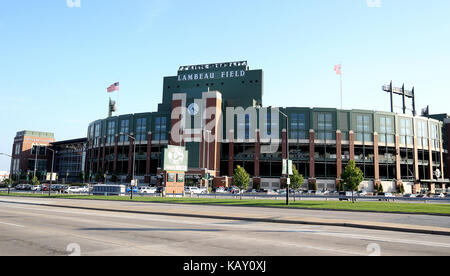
(34, 230)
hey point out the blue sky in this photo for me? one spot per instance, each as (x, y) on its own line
(56, 61)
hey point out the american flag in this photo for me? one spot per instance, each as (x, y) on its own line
(113, 87)
(338, 69)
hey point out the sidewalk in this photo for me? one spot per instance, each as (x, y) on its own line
(268, 215)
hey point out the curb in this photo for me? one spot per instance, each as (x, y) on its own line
(266, 220)
(254, 206)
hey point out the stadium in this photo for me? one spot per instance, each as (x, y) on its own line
(216, 112)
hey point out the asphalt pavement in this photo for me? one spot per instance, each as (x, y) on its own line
(35, 227)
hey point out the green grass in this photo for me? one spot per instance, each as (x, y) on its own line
(331, 205)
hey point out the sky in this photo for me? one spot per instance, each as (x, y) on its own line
(57, 57)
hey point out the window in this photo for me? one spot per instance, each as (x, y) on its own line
(298, 126)
(363, 133)
(422, 133)
(160, 129)
(406, 131)
(141, 129)
(18, 148)
(125, 129)
(325, 126)
(434, 135)
(91, 132)
(97, 135)
(387, 132)
(111, 132)
(247, 126)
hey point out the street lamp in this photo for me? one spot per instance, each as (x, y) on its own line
(51, 174)
(287, 147)
(134, 159)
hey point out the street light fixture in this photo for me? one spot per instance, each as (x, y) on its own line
(287, 147)
(134, 159)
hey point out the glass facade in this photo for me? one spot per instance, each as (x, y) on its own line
(325, 126)
(387, 130)
(298, 126)
(125, 129)
(160, 129)
(141, 129)
(406, 131)
(363, 128)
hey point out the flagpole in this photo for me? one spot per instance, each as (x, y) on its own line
(341, 93)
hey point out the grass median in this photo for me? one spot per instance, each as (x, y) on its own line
(387, 207)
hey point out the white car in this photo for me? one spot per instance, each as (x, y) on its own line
(147, 190)
(36, 188)
(73, 189)
(196, 190)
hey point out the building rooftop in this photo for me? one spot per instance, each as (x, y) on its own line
(35, 134)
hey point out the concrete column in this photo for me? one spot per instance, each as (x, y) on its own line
(149, 155)
(376, 159)
(312, 167)
(283, 144)
(416, 160)
(99, 148)
(398, 171)
(338, 154)
(116, 152)
(430, 158)
(257, 153)
(442, 160)
(104, 153)
(351, 138)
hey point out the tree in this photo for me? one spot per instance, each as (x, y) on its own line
(296, 179)
(35, 181)
(8, 181)
(241, 178)
(352, 177)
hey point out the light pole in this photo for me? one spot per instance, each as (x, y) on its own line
(134, 160)
(9, 184)
(287, 147)
(51, 174)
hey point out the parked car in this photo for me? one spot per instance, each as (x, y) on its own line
(196, 190)
(72, 189)
(147, 190)
(221, 190)
(36, 188)
(441, 195)
(409, 195)
(386, 196)
(422, 196)
(19, 187)
(362, 193)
